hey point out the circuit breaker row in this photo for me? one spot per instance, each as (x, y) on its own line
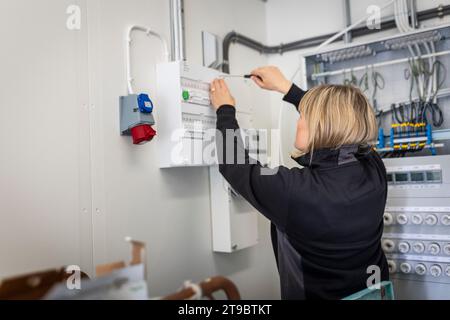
(439, 272)
(417, 218)
(195, 125)
(420, 247)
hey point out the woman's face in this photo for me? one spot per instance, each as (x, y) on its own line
(302, 137)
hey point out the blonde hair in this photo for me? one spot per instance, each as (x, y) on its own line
(338, 115)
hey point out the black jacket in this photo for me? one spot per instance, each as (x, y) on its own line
(327, 218)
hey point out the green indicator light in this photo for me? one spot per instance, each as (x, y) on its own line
(186, 95)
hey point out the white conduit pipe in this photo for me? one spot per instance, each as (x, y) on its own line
(432, 86)
(404, 27)
(177, 30)
(402, 22)
(400, 26)
(149, 33)
(404, 15)
(436, 76)
(432, 83)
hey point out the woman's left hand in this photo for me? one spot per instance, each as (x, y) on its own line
(220, 94)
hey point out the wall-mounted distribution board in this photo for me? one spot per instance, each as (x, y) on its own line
(404, 76)
(364, 63)
(186, 125)
(186, 119)
(185, 114)
(416, 239)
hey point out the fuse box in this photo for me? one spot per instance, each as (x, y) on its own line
(187, 114)
(186, 119)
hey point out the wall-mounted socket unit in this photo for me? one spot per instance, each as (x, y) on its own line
(419, 270)
(417, 216)
(416, 236)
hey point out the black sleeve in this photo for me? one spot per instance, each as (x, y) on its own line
(294, 95)
(268, 193)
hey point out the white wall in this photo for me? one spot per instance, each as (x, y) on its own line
(71, 187)
(45, 198)
(168, 209)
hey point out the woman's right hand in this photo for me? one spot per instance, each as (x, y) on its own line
(271, 78)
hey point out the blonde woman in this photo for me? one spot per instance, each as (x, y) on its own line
(327, 218)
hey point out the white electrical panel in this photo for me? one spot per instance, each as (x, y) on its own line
(185, 117)
(416, 238)
(186, 138)
(234, 220)
(184, 113)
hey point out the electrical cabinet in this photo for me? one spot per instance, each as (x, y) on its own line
(186, 119)
(185, 114)
(416, 238)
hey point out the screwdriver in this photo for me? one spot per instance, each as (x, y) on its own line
(245, 76)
